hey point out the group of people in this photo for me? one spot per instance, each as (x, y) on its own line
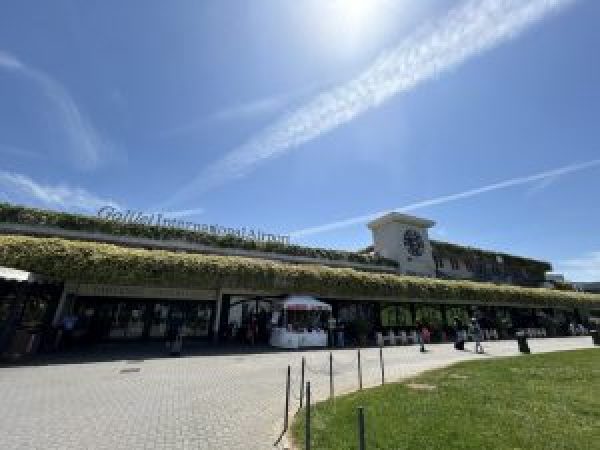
(460, 334)
(577, 330)
(254, 329)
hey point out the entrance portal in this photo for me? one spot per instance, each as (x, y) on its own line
(108, 318)
(247, 319)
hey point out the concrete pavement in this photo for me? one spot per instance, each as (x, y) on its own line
(200, 402)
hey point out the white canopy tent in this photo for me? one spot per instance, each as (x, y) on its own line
(297, 322)
(304, 303)
(15, 274)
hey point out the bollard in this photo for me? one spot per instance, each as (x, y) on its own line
(359, 372)
(287, 400)
(330, 375)
(307, 424)
(286, 413)
(361, 429)
(381, 364)
(302, 381)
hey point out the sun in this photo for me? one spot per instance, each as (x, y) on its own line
(343, 26)
(356, 14)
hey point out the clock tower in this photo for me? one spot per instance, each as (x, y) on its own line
(404, 239)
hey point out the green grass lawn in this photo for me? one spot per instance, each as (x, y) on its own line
(544, 401)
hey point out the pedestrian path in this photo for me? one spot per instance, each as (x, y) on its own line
(200, 402)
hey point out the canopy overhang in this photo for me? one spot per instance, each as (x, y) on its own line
(304, 303)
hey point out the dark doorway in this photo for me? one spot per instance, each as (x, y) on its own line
(247, 319)
(106, 318)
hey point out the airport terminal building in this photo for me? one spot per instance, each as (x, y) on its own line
(121, 277)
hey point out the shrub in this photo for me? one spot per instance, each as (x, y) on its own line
(89, 262)
(35, 217)
(449, 250)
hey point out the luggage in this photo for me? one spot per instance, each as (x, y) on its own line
(522, 342)
(461, 337)
(175, 348)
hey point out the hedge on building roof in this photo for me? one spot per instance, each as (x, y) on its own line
(449, 250)
(89, 262)
(37, 217)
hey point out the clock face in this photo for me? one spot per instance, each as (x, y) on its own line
(414, 242)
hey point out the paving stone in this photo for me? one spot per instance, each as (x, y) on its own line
(203, 402)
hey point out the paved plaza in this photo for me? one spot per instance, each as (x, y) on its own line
(215, 401)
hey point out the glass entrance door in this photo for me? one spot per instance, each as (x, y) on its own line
(99, 319)
(195, 318)
(131, 319)
(127, 320)
(248, 319)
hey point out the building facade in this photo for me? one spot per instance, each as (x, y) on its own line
(118, 282)
(405, 239)
(592, 287)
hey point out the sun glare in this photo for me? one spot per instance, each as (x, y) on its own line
(348, 25)
(355, 14)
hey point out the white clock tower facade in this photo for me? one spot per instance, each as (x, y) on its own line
(404, 239)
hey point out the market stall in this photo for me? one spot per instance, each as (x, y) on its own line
(299, 321)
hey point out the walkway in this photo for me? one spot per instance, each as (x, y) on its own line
(200, 402)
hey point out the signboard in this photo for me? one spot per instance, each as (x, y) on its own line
(102, 290)
(138, 217)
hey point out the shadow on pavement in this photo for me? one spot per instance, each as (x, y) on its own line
(135, 352)
(139, 351)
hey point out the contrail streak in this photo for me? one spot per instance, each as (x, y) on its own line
(86, 145)
(449, 198)
(467, 30)
(19, 188)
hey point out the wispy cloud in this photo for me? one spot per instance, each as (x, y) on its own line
(17, 151)
(584, 268)
(451, 198)
(9, 61)
(85, 145)
(471, 28)
(19, 188)
(253, 109)
(542, 185)
(243, 111)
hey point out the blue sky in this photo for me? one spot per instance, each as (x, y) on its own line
(289, 115)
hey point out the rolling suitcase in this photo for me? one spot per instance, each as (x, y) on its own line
(175, 349)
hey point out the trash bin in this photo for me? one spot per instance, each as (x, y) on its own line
(522, 341)
(595, 336)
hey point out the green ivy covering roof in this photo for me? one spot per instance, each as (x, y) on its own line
(13, 214)
(448, 250)
(89, 262)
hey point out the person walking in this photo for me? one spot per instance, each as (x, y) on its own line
(477, 335)
(68, 325)
(252, 330)
(459, 335)
(420, 338)
(174, 333)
